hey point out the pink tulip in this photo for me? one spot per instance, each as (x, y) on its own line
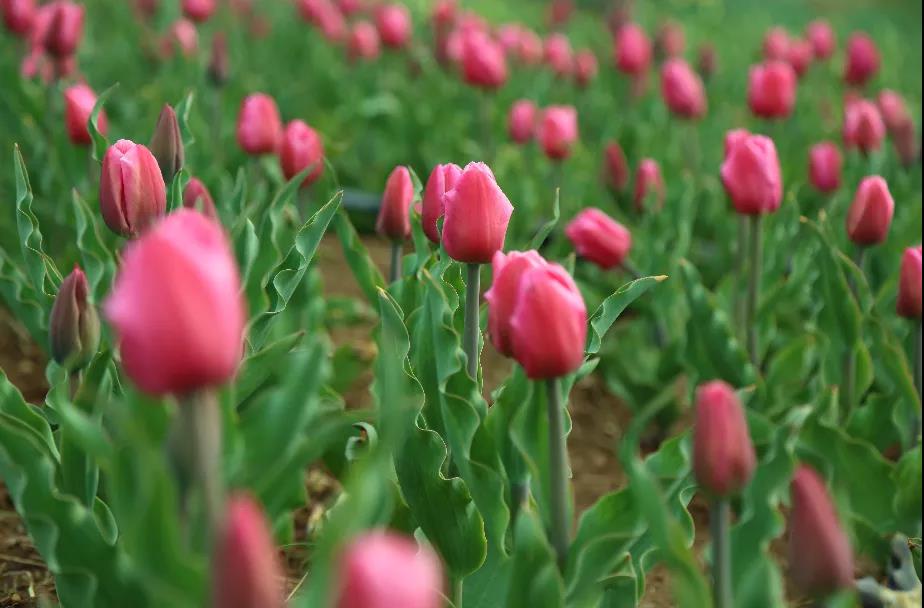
(560, 12)
(871, 213)
(585, 67)
(385, 570)
(442, 179)
(864, 129)
(198, 11)
(800, 56)
(65, 28)
(132, 194)
(79, 100)
(893, 110)
(558, 54)
(259, 127)
(548, 328)
(633, 50)
(507, 270)
(483, 62)
(904, 138)
(862, 59)
(909, 284)
(332, 24)
(521, 121)
(557, 131)
(772, 89)
(18, 15)
(363, 42)
(301, 147)
(723, 455)
(530, 50)
(196, 196)
(751, 176)
(247, 572)
(394, 24)
(477, 213)
(707, 61)
(181, 35)
(444, 14)
(616, 168)
(733, 138)
(508, 36)
(682, 89)
(649, 184)
(350, 7)
(825, 167)
(820, 558)
(776, 44)
(219, 67)
(41, 25)
(310, 10)
(599, 238)
(821, 37)
(394, 219)
(670, 41)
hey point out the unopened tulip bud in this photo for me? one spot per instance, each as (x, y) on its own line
(246, 570)
(820, 558)
(599, 238)
(332, 23)
(871, 213)
(442, 179)
(521, 122)
(477, 213)
(864, 128)
(557, 131)
(79, 100)
(905, 141)
(670, 41)
(183, 36)
(194, 338)
(198, 10)
(862, 59)
(65, 28)
(219, 68)
(632, 50)
(893, 110)
(363, 42)
(649, 185)
(548, 329)
(507, 271)
(751, 176)
(723, 455)
(385, 570)
(196, 196)
(821, 37)
(560, 12)
(349, 7)
(394, 219)
(259, 127)
(825, 167)
(483, 61)
(682, 89)
(444, 14)
(772, 89)
(301, 148)
(616, 167)
(167, 143)
(776, 44)
(132, 194)
(909, 284)
(74, 324)
(733, 138)
(394, 24)
(530, 50)
(707, 61)
(585, 67)
(800, 56)
(18, 15)
(557, 52)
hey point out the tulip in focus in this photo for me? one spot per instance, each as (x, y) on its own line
(508, 270)
(477, 213)
(825, 167)
(176, 307)
(893, 110)
(670, 41)
(198, 11)
(871, 213)
(864, 128)
(65, 28)
(820, 558)
(483, 61)
(772, 89)
(259, 127)
(196, 196)
(821, 37)
(558, 54)
(599, 238)
(649, 185)
(79, 100)
(632, 50)
(385, 570)
(394, 24)
(800, 56)
(246, 568)
(17, 15)
(394, 219)
(132, 194)
(751, 176)
(909, 284)
(442, 179)
(521, 121)
(862, 59)
(776, 44)
(167, 143)
(74, 325)
(682, 89)
(723, 455)
(557, 131)
(585, 67)
(363, 42)
(616, 168)
(301, 147)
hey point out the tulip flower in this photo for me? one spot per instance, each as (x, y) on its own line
(196, 196)
(530, 50)
(521, 121)
(557, 53)
(616, 168)
(477, 213)
(65, 28)
(862, 59)
(182, 35)
(198, 11)
(632, 50)
(733, 138)
(892, 109)
(18, 15)
(363, 42)
(483, 61)
(167, 143)
(508, 37)
(394, 219)
(332, 23)
(560, 12)
(585, 67)
(246, 568)
(132, 194)
(349, 7)
(820, 558)
(444, 14)
(800, 56)
(219, 68)
(599, 238)
(821, 37)
(649, 184)
(751, 176)
(904, 138)
(442, 179)
(301, 148)
(176, 307)
(394, 24)
(508, 270)
(871, 213)
(259, 127)
(670, 40)
(79, 101)
(825, 167)
(864, 128)
(706, 63)
(909, 285)
(385, 570)
(682, 89)
(557, 131)
(74, 325)
(776, 44)
(772, 89)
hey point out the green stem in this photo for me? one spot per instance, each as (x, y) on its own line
(739, 301)
(200, 429)
(471, 329)
(720, 522)
(487, 134)
(558, 472)
(457, 592)
(858, 258)
(395, 269)
(753, 289)
(917, 383)
(850, 358)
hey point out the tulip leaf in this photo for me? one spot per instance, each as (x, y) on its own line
(534, 580)
(183, 110)
(40, 267)
(100, 143)
(604, 317)
(21, 299)
(175, 192)
(365, 271)
(96, 257)
(546, 229)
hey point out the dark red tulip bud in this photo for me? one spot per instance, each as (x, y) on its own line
(18, 15)
(74, 324)
(649, 185)
(65, 28)
(723, 455)
(167, 144)
(862, 59)
(864, 128)
(616, 167)
(219, 68)
(909, 284)
(196, 196)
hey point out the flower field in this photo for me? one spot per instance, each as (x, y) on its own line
(460, 303)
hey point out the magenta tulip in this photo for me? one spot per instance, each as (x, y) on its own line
(733, 138)
(363, 42)
(723, 455)
(772, 89)
(682, 89)
(776, 44)
(507, 270)
(558, 55)
(632, 50)
(197, 196)
(483, 61)
(394, 219)
(751, 176)
(649, 185)
(477, 213)
(557, 131)
(198, 11)
(259, 127)
(871, 213)
(18, 15)
(530, 50)
(65, 28)
(599, 238)
(132, 194)
(585, 67)
(521, 121)
(862, 59)
(893, 110)
(825, 167)
(394, 24)
(300, 148)
(180, 35)
(908, 304)
(615, 167)
(821, 37)
(800, 56)
(864, 128)
(79, 100)
(442, 179)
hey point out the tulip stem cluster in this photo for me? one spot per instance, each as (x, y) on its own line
(558, 472)
(395, 269)
(720, 522)
(200, 428)
(753, 289)
(470, 329)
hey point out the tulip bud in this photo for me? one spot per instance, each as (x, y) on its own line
(632, 50)
(219, 68)
(864, 129)
(548, 328)
(670, 40)
(65, 28)
(349, 7)
(649, 184)
(74, 324)
(246, 568)
(871, 213)
(751, 176)
(862, 59)
(394, 219)
(557, 52)
(707, 61)
(558, 131)
(167, 143)
(616, 168)
(825, 167)
(909, 284)
(196, 196)
(733, 138)
(79, 100)
(820, 558)
(132, 194)
(776, 44)
(259, 127)
(723, 456)
(892, 109)
(198, 11)
(599, 238)
(193, 338)
(507, 270)
(682, 89)
(483, 62)
(442, 179)
(332, 23)
(772, 89)
(385, 570)
(182, 35)
(800, 56)
(477, 213)
(521, 122)
(905, 142)
(560, 12)
(444, 14)
(821, 37)
(530, 49)
(585, 67)
(394, 24)
(301, 148)
(363, 42)
(18, 15)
